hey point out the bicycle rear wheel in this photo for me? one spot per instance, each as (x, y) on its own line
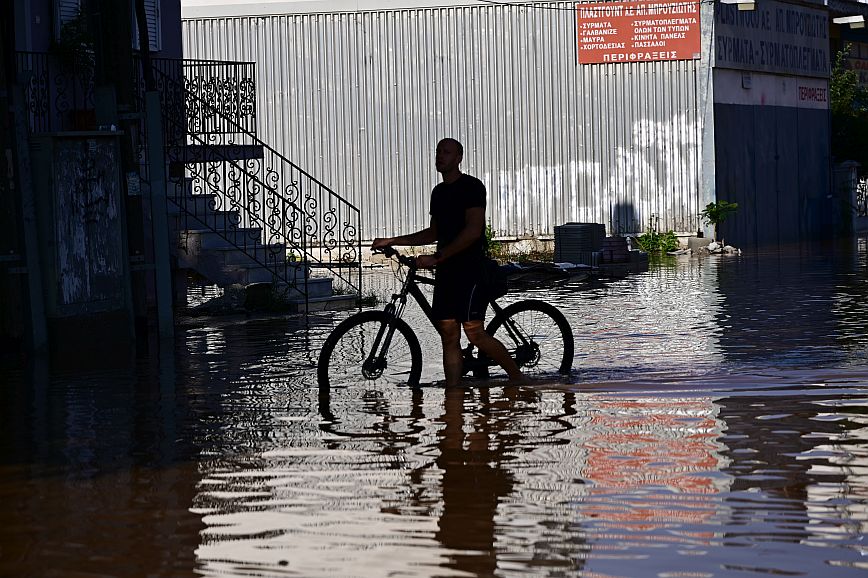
(537, 336)
(362, 349)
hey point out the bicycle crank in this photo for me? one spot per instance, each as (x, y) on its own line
(527, 355)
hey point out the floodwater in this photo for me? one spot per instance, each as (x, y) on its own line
(715, 425)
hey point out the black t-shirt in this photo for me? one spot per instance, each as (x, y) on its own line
(449, 201)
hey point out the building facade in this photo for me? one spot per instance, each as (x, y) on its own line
(630, 114)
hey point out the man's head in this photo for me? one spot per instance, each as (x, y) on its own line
(448, 156)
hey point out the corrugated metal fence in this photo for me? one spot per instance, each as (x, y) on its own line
(360, 99)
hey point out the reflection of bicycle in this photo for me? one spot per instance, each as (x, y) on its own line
(380, 347)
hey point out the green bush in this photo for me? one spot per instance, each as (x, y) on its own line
(848, 104)
(654, 242)
(493, 249)
(716, 213)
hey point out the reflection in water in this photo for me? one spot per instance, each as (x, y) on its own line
(473, 481)
(716, 426)
(804, 307)
(95, 479)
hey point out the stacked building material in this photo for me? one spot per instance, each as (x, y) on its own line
(579, 243)
(615, 250)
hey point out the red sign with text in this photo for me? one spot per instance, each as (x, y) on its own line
(638, 31)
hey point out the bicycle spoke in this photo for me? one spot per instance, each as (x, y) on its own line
(353, 360)
(542, 354)
(537, 336)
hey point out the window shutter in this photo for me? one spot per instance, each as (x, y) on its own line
(152, 16)
(64, 11)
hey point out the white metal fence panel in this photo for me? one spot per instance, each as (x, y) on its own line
(359, 99)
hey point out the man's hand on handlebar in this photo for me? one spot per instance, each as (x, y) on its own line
(381, 243)
(426, 261)
(421, 262)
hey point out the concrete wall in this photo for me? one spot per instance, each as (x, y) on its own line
(772, 123)
(774, 162)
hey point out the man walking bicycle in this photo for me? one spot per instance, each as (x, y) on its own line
(457, 225)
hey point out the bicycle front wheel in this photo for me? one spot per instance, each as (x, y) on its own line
(370, 348)
(538, 337)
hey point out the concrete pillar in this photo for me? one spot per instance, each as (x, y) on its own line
(159, 219)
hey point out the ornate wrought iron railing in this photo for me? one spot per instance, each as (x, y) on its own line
(239, 187)
(229, 88)
(226, 179)
(58, 93)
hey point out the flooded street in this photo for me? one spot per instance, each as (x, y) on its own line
(715, 424)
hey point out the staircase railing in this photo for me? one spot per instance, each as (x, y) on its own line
(268, 207)
(273, 210)
(229, 88)
(58, 95)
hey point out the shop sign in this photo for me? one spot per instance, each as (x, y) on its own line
(776, 37)
(638, 31)
(857, 60)
(730, 87)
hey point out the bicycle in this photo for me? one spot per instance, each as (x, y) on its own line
(380, 347)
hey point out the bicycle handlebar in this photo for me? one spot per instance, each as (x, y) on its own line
(391, 252)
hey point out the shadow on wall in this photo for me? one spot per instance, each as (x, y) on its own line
(624, 220)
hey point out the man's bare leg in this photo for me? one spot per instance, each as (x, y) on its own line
(453, 361)
(494, 349)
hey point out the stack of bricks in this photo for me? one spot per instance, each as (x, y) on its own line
(615, 250)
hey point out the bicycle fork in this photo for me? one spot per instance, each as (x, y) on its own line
(375, 364)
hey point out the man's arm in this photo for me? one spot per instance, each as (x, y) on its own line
(474, 226)
(426, 236)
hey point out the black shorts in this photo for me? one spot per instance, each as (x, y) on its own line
(459, 297)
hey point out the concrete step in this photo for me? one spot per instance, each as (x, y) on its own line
(210, 153)
(180, 185)
(181, 156)
(198, 239)
(263, 283)
(255, 273)
(220, 220)
(317, 288)
(247, 273)
(331, 303)
(229, 256)
(193, 204)
(227, 265)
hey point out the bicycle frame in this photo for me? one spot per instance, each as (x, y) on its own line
(535, 334)
(395, 309)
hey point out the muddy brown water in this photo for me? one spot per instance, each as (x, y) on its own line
(715, 425)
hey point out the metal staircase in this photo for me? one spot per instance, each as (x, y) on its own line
(239, 211)
(242, 212)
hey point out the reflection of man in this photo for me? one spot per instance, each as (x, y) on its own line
(458, 226)
(473, 484)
